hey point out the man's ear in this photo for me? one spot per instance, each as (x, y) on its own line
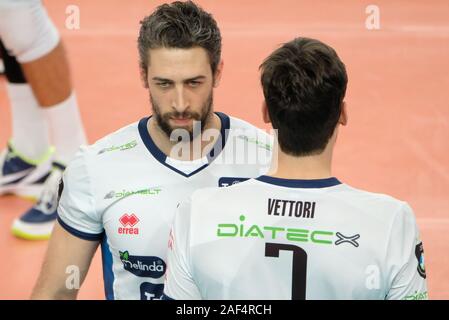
(218, 73)
(343, 115)
(265, 114)
(144, 78)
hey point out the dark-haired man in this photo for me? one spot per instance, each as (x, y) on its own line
(122, 191)
(298, 233)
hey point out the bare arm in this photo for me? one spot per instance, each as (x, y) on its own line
(64, 250)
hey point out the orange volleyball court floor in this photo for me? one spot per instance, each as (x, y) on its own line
(396, 141)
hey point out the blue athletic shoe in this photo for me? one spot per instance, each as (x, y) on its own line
(37, 223)
(21, 176)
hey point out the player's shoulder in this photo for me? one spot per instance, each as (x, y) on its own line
(240, 123)
(248, 132)
(369, 196)
(237, 123)
(375, 202)
(123, 139)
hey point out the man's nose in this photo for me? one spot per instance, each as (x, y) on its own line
(180, 103)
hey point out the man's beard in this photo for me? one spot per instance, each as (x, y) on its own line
(199, 119)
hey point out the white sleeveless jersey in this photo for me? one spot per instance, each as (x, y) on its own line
(123, 191)
(270, 238)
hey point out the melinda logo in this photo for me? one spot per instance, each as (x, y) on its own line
(128, 221)
(142, 266)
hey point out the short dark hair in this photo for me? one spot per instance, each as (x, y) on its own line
(179, 25)
(304, 83)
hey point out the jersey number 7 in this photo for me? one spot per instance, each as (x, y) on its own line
(299, 269)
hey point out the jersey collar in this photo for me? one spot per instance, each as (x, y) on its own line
(298, 183)
(161, 157)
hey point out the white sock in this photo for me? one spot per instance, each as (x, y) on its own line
(29, 126)
(66, 128)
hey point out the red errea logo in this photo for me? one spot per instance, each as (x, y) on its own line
(128, 221)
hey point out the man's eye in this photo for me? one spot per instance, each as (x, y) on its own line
(163, 84)
(194, 83)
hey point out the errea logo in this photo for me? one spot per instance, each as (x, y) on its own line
(128, 222)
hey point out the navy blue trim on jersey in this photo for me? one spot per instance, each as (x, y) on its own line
(161, 157)
(224, 131)
(80, 234)
(108, 273)
(297, 183)
(229, 181)
(165, 297)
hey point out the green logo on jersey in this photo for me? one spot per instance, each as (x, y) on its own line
(255, 141)
(271, 232)
(417, 296)
(125, 193)
(123, 147)
(124, 255)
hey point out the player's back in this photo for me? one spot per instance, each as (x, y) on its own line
(272, 238)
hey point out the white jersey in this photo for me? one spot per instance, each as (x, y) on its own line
(270, 238)
(123, 191)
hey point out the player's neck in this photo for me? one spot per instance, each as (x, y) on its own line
(193, 152)
(303, 168)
